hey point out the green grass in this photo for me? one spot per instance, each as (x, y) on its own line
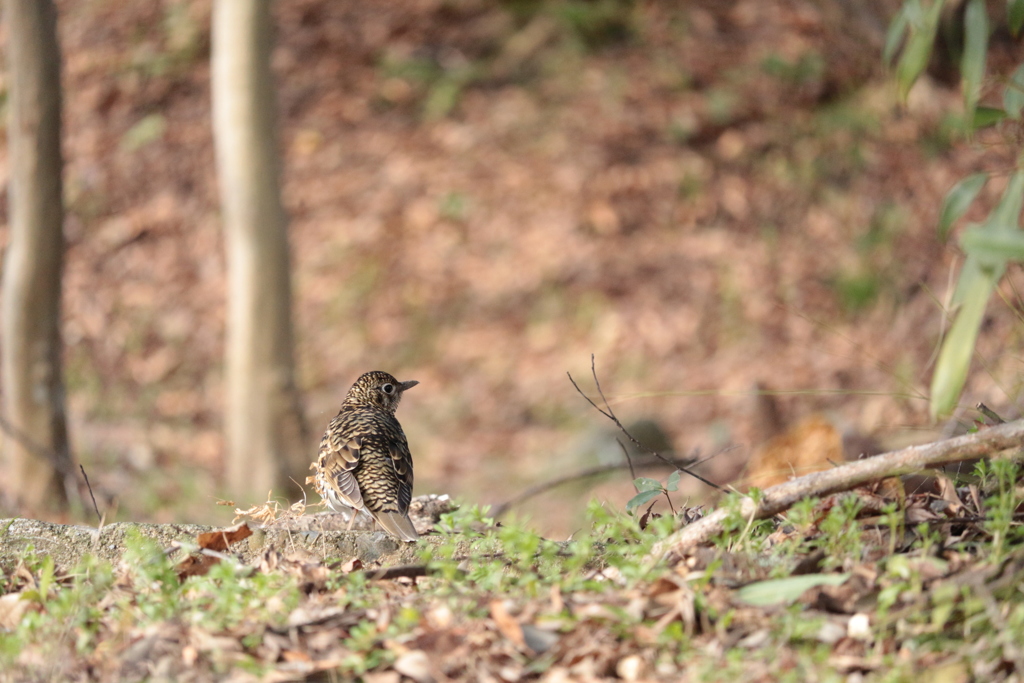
(936, 602)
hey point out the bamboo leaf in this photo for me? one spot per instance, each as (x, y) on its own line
(777, 591)
(984, 117)
(958, 200)
(972, 64)
(1007, 213)
(1013, 95)
(958, 347)
(1015, 16)
(994, 248)
(894, 36)
(922, 24)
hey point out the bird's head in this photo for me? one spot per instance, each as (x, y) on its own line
(378, 389)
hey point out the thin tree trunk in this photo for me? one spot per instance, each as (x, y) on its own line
(36, 447)
(265, 431)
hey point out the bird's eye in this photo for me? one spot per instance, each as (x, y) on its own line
(388, 389)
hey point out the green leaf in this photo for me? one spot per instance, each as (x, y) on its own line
(1007, 213)
(985, 117)
(989, 246)
(147, 130)
(1013, 96)
(1015, 16)
(923, 24)
(647, 484)
(46, 578)
(673, 481)
(642, 498)
(894, 36)
(972, 64)
(994, 248)
(973, 268)
(776, 591)
(958, 200)
(974, 288)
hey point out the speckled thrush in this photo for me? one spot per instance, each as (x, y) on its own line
(364, 461)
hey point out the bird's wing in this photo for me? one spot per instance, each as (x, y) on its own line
(401, 460)
(338, 461)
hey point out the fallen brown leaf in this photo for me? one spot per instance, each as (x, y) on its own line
(507, 624)
(211, 544)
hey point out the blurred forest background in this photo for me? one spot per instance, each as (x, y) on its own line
(714, 198)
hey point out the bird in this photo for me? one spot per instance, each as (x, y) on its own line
(364, 462)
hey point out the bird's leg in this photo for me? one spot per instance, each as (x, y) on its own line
(352, 519)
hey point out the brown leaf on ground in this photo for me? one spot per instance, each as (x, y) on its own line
(812, 445)
(506, 623)
(222, 539)
(13, 607)
(211, 545)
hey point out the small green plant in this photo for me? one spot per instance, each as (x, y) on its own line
(841, 533)
(807, 68)
(894, 520)
(147, 130)
(1000, 477)
(454, 206)
(597, 24)
(857, 290)
(435, 86)
(649, 489)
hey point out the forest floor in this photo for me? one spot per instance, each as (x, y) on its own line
(724, 202)
(874, 584)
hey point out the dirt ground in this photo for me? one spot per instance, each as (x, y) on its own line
(706, 196)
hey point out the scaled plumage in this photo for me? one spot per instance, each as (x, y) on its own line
(364, 461)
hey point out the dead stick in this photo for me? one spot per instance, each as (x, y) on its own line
(783, 496)
(610, 414)
(405, 571)
(549, 484)
(99, 517)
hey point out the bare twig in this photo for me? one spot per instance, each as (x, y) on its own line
(990, 414)
(850, 475)
(95, 507)
(543, 486)
(405, 571)
(629, 461)
(610, 414)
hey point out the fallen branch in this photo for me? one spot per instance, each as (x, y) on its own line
(843, 478)
(404, 571)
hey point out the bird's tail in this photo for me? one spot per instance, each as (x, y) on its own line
(397, 524)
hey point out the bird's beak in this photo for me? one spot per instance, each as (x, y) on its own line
(408, 385)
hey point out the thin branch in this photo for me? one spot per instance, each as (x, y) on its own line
(843, 478)
(629, 461)
(610, 414)
(405, 571)
(95, 507)
(990, 414)
(544, 486)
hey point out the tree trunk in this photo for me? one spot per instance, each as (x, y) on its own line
(36, 451)
(265, 430)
